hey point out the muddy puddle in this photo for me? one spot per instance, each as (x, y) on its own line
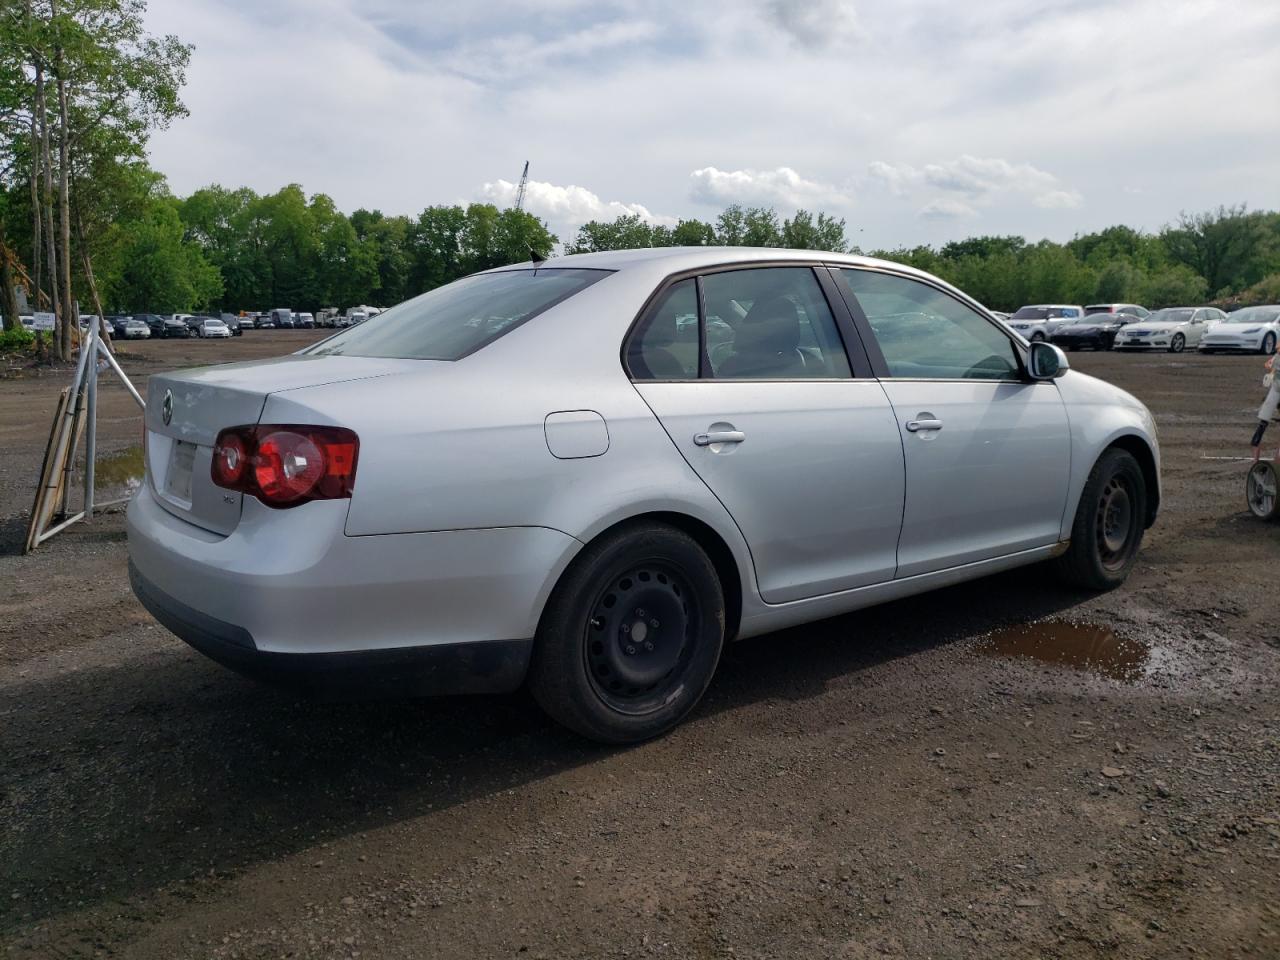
(119, 471)
(1077, 646)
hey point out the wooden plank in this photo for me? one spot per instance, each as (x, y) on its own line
(33, 528)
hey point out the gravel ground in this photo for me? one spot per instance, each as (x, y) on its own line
(896, 782)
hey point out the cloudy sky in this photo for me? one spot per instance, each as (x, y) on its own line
(918, 121)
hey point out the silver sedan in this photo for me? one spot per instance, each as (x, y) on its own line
(588, 474)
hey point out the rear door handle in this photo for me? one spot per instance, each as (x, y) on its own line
(718, 436)
(917, 426)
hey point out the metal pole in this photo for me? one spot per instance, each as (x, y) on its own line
(91, 432)
(121, 374)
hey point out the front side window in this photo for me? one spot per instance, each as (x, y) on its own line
(925, 334)
(449, 322)
(771, 323)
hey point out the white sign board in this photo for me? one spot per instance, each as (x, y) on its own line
(42, 321)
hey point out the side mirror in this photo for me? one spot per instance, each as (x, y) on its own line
(1047, 361)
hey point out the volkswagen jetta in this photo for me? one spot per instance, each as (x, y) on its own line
(552, 474)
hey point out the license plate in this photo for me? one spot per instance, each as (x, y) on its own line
(177, 481)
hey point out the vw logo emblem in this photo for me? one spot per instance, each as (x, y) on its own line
(166, 408)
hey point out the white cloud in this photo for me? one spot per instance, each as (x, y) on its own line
(782, 187)
(567, 208)
(395, 104)
(817, 24)
(1058, 200)
(978, 180)
(946, 209)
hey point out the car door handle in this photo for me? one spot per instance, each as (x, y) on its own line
(718, 436)
(916, 426)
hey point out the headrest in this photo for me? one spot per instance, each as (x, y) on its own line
(771, 325)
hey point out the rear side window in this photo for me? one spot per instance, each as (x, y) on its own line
(771, 323)
(452, 321)
(760, 323)
(665, 345)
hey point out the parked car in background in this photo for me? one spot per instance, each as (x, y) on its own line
(161, 326)
(281, 317)
(1037, 321)
(828, 459)
(999, 314)
(28, 321)
(1095, 331)
(305, 321)
(131, 328)
(1253, 328)
(1129, 309)
(354, 317)
(232, 322)
(211, 327)
(1173, 329)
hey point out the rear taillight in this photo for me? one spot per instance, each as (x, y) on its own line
(284, 466)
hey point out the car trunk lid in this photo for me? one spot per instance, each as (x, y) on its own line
(187, 409)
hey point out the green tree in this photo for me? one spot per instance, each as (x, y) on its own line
(803, 232)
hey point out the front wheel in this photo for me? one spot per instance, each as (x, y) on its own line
(1178, 343)
(631, 635)
(1109, 523)
(1269, 344)
(1037, 337)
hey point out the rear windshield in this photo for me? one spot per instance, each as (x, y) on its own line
(1099, 308)
(449, 322)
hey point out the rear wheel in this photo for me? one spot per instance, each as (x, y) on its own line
(1262, 490)
(631, 635)
(1269, 344)
(1178, 343)
(1109, 523)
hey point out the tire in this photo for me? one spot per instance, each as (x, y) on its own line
(1037, 337)
(1262, 490)
(1178, 343)
(1109, 524)
(599, 664)
(1269, 344)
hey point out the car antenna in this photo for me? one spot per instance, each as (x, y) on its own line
(536, 257)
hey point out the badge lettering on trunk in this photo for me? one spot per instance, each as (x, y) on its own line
(166, 408)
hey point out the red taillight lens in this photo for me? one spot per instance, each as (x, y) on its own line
(229, 459)
(284, 466)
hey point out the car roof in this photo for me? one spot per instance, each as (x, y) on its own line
(679, 259)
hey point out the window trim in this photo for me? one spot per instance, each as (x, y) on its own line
(878, 362)
(860, 365)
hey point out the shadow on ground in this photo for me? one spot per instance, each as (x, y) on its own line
(117, 781)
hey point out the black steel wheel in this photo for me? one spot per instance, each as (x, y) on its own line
(631, 636)
(638, 639)
(1109, 523)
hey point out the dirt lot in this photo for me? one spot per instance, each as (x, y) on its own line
(889, 783)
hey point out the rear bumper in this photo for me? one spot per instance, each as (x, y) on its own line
(287, 592)
(495, 666)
